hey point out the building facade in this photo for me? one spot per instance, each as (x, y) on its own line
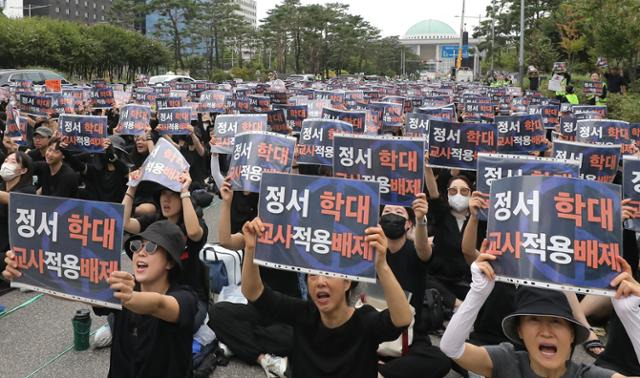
(248, 10)
(86, 11)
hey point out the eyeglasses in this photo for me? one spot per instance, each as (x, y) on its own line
(136, 246)
(453, 191)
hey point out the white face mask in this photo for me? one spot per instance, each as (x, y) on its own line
(459, 202)
(8, 171)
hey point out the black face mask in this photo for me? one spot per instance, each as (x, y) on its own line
(393, 226)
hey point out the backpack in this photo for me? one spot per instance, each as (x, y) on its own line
(433, 311)
(215, 255)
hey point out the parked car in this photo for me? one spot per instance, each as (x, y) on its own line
(166, 79)
(8, 76)
(300, 77)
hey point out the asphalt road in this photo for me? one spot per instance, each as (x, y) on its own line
(36, 336)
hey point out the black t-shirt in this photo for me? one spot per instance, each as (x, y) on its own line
(26, 188)
(36, 155)
(105, 185)
(243, 209)
(447, 261)
(614, 82)
(487, 329)
(62, 184)
(346, 351)
(145, 346)
(193, 271)
(411, 273)
(198, 167)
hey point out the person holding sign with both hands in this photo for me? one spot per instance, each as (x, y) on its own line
(542, 323)
(331, 339)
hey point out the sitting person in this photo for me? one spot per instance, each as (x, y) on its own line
(152, 334)
(542, 323)
(331, 339)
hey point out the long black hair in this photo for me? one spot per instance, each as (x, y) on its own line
(24, 160)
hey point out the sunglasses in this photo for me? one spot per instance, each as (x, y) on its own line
(453, 191)
(136, 246)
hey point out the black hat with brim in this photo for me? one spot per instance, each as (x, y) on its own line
(166, 235)
(541, 302)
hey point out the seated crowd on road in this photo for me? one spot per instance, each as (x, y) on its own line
(310, 325)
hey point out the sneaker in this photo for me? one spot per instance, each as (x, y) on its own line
(102, 338)
(274, 366)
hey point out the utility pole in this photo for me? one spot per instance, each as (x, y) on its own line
(521, 58)
(459, 60)
(493, 31)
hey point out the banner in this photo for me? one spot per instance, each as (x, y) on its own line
(294, 115)
(456, 145)
(213, 101)
(396, 163)
(174, 121)
(354, 117)
(164, 165)
(38, 106)
(315, 145)
(598, 162)
(317, 225)
(226, 127)
(84, 133)
(605, 131)
(258, 152)
(550, 114)
(133, 119)
(101, 98)
(573, 248)
(66, 247)
(631, 189)
(493, 167)
(521, 134)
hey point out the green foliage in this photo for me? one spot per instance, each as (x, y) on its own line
(624, 107)
(218, 75)
(79, 50)
(245, 73)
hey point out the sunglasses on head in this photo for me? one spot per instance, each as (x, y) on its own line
(136, 246)
(453, 191)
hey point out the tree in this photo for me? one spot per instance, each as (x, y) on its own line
(175, 15)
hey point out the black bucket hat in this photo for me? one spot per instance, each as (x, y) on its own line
(541, 302)
(166, 235)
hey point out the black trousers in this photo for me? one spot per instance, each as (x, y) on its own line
(423, 361)
(248, 333)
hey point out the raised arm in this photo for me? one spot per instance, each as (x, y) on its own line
(469, 356)
(252, 286)
(627, 303)
(470, 235)
(131, 225)
(225, 237)
(196, 142)
(191, 221)
(430, 180)
(423, 246)
(399, 308)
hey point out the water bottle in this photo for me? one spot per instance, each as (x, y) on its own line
(81, 328)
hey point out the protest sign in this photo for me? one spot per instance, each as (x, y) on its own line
(396, 163)
(213, 101)
(568, 127)
(53, 85)
(392, 115)
(605, 131)
(456, 145)
(549, 113)
(314, 107)
(257, 152)
(356, 118)
(417, 125)
(493, 167)
(134, 119)
(226, 127)
(634, 132)
(280, 98)
(168, 102)
(316, 140)
(66, 247)
(164, 165)
(593, 88)
(242, 105)
(174, 121)
(145, 96)
(294, 115)
(101, 98)
(277, 122)
(598, 162)
(259, 103)
(573, 248)
(161, 90)
(99, 83)
(520, 134)
(631, 189)
(317, 225)
(84, 133)
(478, 110)
(601, 110)
(16, 126)
(557, 83)
(444, 113)
(39, 106)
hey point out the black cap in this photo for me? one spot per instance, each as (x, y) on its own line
(542, 302)
(166, 235)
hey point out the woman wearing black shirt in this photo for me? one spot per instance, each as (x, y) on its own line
(331, 339)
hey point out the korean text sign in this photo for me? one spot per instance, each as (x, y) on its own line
(574, 247)
(316, 140)
(354, 117)
(36, 105)
(174, 121)
(84, 133)
(258, 152)
(605, 131)
(456, 145)
(102, 98)
(164, 165)
(16, 127)
(134, 119)
(396, 163)
(598, 162)
(228, 125)
(493, 167)
(66, 247)
(521, 134)
(317, 225)
(213, 101)
(631, 189)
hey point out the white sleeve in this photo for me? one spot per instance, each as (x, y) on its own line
(215, 171)
(628, 310)
(461, 324)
